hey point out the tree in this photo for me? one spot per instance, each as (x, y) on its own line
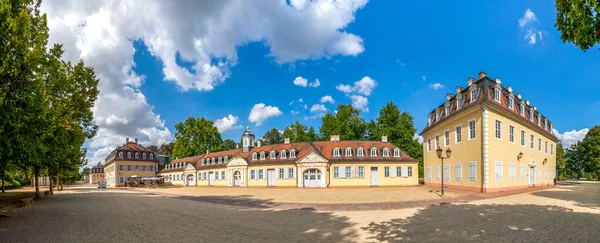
(195, 135)
(579, 22)
(346, 122)
(273, 136)
(311, 136)
(166, 148)
(296, 132)
(561, 162)
(590, 147)
(229, 144)
(153, 148)
(575, 160)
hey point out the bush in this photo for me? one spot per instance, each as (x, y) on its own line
(562, 178)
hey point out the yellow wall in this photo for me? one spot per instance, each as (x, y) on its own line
(504, 151)
(109, 174)
(175, 181)
(463, 152)
(112, 172)
(221, 182)
(285, 182)
(366, 180)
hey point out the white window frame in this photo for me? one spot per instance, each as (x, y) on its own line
(261, 174)
(522, 111)
(498, 129)
(437, 173)
(429, 178)
(348, 171)
(474, 94)
(448, 109)
(458, 172)
(512, 171)
(551, 149)
(254, 156)
(532, 137)
(292, 154)
(143, 156)
(473, 130)
(283, 154)
(530, 114)
(386, 171)
(523, 172)
(429, 145)
(336, 152)
(348, 151)
(281, 174)
(446, 172)
(523, 138)
(291, 173)
(361, 171)
(458, 134)
(136, 155)
(472, 169)
(539, 144)
(336, 172)
(385, 152)
(396, 152)
(373, 152)
(499, 167)
(447, 138)
(262, 155)
(497, 92)
(436, 140)
(459, 102)
(511, 133)
(273, 155)
(511, 103)
(546, 147)
(360, 152)
(252, 174)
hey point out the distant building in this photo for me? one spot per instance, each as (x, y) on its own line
(129, 160)
(331, 163)
(96, 173)
(499, 141)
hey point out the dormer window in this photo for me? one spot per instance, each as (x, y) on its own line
(136, 155)
(550, 126)
(448, 109)
(396, 152)
(459, 102)
(226, 159)
(273, 155)
(121, 155)
(544, 125)
(143, 155)
(203, 162)
(129, 155)
(336, 152)
(212, 161)
(152, 156)
(360, 152)
(538, 119)
(292, 153)
(348, 152)
(220, 160)
(531, 115)
(262, 155)
(521, 109)
(429, 121)
(373, 152)
(497, 94)
(283, 154)
(474, 94)
(510, 103)
(437, 115)
(385, 152)
(254, 156)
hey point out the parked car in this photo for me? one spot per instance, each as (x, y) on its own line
(102, 184)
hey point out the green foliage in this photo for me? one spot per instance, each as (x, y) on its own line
(195, 135)
(346, 122)
(229, 144)
(574, 161)
(273, 136)
(579, 22)
(590, 147)
(561, 162)
(296, 132)
(311, 136)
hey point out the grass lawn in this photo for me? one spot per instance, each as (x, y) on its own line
(9, 197)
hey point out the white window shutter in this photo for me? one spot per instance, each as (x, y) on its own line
(393, 171)
(405, 171)
(342, 171)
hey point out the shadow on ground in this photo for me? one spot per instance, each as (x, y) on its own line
(584, 195)
(241, 200)
(489, 223)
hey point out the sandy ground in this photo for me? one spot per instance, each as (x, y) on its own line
(317, 196)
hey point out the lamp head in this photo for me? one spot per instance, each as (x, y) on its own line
(520, 155)
(448, 153)
(439, 152)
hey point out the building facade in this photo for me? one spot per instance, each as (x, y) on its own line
(499, 141)
(331, 163)
(129, 160)
(96, 173)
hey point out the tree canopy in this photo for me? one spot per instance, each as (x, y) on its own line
(346, 122)
(579, 22)
(590, 148)
(273, 136)
(194, 136)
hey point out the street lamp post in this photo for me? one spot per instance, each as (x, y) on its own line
(439, 155)
(542, 175)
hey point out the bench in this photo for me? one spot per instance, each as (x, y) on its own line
(26, 201)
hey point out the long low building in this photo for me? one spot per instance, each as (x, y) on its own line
(331, 163)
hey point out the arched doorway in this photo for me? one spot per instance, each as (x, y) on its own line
(237, 178)
(313, 178)
(190, 180)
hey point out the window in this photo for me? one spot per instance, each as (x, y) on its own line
(532, 139)
(409, 170)
(336, 172)
(143, 155)
(144, 168)
(546, 147)
(252, 174)
(385, 152)
(472, 167)
(437, 141)
(497, 94)
(373, 152)
(291, 173)
(261, 174)
(498, 132)
(151, 156)
(474, 94)
(511, 133)
(511, 102)
(429, 174)
(521, 109)
(220, 160)
(458, 134)
(396, 152)
(360, 152)
(545, 173)
(429, 145)
(499, 170)
(447, 138)
(216, 175)
(446, 172)
(448, 109)
(437, 173)
(537, 120)
(129, 155)
(273, 155)
(281, 173)
(551, 149)
(386, 171)
(282, 154)
(121, 167)
(512, 171)
(262, 155)
(348, 152)
(293, 153)
(223, 175)
(399, 171)
(151, 168)
(551, 173)
(361, 171)
(459, 102)
(137, 168)
(530, 114)
(523, 172)
(458, 172)
(254, 156)
(336, 152)
(136, 155)
(129, 167)
(522, 138)
(539, 173)
(226, 159)
(121, 155)
(540, 144)
(348, 172)
(472, 129)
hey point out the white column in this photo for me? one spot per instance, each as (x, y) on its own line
(300, 177)
(324, 178)
(486, 148)
(229, 177)
(244, 183)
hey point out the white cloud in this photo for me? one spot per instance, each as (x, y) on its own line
(327, 99)
(424, 78)
(418, 138)
(360, 102)
(540, 36)
(571, 137)
(527, 18)
(315, 84)
(531, 37)
(260, 112)
(364, 86)
(227, 123)
(436, 86)
(300, 100)
(318, 108)
(300, 81)
(295, 112)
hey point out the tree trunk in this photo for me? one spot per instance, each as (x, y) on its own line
(36, 172)
(50, 179)
(3, 178)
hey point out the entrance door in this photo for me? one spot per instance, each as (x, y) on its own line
(211, 178)
(313, 178)
(190, 180)
(531, 176)
(237, 178)
(271, 177)
(374, 176)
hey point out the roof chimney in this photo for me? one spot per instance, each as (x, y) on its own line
(286, 140)
(481, 75)
(334, 138)
(237, 145)
(136, 140)
(259, 143)
(207, 150)
(384, 138)
(126, 140)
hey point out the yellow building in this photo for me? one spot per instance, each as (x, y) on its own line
(499, 141)
(96, 174)
(129, 160)
(332, 163)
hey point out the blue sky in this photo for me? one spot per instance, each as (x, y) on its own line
(414, 52)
